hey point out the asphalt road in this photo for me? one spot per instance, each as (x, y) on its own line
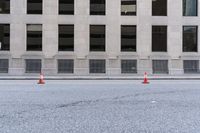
(100, 106)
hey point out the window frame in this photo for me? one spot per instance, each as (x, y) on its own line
(7, 48)
(103, 49)
(61, 12)
(190, 15)
(34, 12)
(3, 10)
(96, 70)
(95, 13)
(127, 70)
(29, 71)
(40, 47)
(59, 37)
(161, 15)
(135, 40)
(155, 70)
(4, 70)
(131, 13)
(186, 71)
(65, 71)
(195, 39)
(152, 43)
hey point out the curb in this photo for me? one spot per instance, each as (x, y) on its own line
(100, 78)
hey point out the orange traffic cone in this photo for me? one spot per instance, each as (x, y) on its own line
(145, 79)
(41, 80)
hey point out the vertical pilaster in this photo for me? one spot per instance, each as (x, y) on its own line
(175, 36)
(144, 9)
(113, 10)
(81, 32)
(50, 28)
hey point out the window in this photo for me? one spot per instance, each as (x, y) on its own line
(97, 7)
(4, 37)
(34, 6)
(3, 65)
(128, 38)
(66, 7)
(33, 65)
(190, 39)
(4, 6)
(159, 7)
(128, 66)
(66, 38)
(128, 7)
(190, 7)
(97, 66)
(191, 66)
(160, 66)
(34, 37)
(97, 37)
(65, 66)
(159, 38)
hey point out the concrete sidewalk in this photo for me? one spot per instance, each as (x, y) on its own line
(140, 77)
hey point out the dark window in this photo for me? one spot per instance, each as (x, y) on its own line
(4, 65)
(65, 66)
(4, 6)
(160, 67)
(129, 66)
(190, 7)
(159, 7)
(128, 38)
(191, 66)
(128, 7)
(4, 37)
(34, 6)
(189, 38)
(34, 37)
(66, 7)
(97, 7)
(97, 37)
(159, 38)
(66, 38)
(33, 65)
(97, 66)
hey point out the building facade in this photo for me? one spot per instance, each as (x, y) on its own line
(99, 37)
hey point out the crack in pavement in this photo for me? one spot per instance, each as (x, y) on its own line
(79, 103)
(86, 102)
(143, 94)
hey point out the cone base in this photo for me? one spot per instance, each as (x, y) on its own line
(145, 82)
(41, 82)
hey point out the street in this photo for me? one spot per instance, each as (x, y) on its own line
(100, 106)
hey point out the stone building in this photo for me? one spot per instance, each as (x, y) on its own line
(99, 37)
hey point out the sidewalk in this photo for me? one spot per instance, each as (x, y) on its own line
(136, 77)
